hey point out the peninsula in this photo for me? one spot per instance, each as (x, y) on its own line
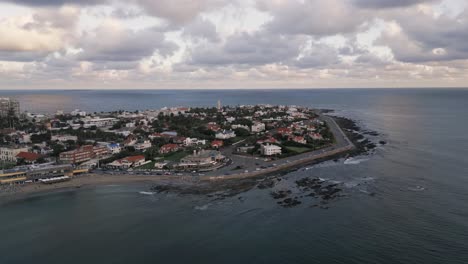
(42, 152)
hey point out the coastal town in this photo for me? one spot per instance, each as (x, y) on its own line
(191, 142)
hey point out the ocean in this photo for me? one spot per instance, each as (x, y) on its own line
(405, 203)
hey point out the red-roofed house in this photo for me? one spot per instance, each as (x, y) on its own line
(270, 140)
(217, 144)
(213, 127)
(28, 157)
(285, 131)
(298, 139)
(125, 163)
(168, 148)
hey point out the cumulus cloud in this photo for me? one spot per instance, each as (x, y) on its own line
(112, 42)
(376, 4)
(313, 17)
(244, 48)
(54, 2)
(421, 36)
(178, 12)
(265, 43)
(30, 37)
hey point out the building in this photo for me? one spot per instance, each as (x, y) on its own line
(298, 139)
(194, 142)
(168, 148)
(8, 105)
(128, 162)
(217, 144)
(270, 150)
(240, 126)
(28, 157)
(78, 112)
(64, 138)
(99, 122)
(202, 159)
(213, 127)
(284, 131)
(142, 146)
(258, 127)
(225, 134)
(114, 148)
(9, 153)
(82, 154)
(316, 136)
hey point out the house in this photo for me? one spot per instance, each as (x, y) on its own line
(213, 127)
(168, 148)
(28, 157)
(114, 148)
(130, 141)
(178, 140)
(240, 126)
(128, 162)
(193, 142)
(217, 144)
(284, 131)
(270, 140)
(298, 139)
(258, 127)
(141, 146)
(225, 134)
(64, 138)
(315, 136)
(270, 150)
(9, 153)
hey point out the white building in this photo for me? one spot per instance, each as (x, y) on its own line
(64, 138)
(270, 150)
(9, 154)
(78, 112)
(225, 134)
(114, 148)
(99, 122)
(193, 142)
(141, 146)
(240, 126)
(258, 127)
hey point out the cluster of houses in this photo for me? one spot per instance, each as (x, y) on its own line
(59, 139)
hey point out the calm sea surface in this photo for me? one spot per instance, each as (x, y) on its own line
(419, 213)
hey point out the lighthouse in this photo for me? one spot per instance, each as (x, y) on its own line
(219, 106)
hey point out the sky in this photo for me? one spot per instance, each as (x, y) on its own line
(203, 44)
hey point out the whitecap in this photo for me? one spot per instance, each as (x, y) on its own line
(147, 193)
(202, 208)
(416, 189)
(353, 161)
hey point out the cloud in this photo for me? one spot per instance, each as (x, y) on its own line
(247, 49)
(201, 28)
(378, 4)
(29, 37)
(313, 17)
(112, 42)
(420, 36)
(178, 12)
(50, 3)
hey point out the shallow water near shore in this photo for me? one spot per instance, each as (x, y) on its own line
(406, 203)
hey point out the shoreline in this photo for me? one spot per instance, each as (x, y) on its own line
(203, 183)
